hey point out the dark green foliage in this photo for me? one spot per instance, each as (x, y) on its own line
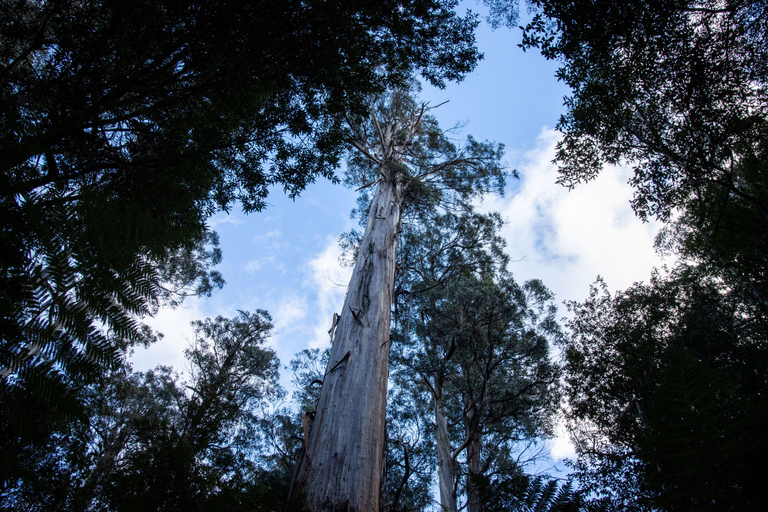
(491, 341)
(488, 341)
(432, 255)
(44, 470)
(147, 441)
(410, 450)
(678, 91)
(524, 493)
(666, 380)
(307, 368)
(290, 435)
(125, 125)
(666, 394)
(465, 333)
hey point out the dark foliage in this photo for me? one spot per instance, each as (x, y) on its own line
(408, 482)
(678, 91)
(524, 493)
(147, 441)
(666, 380)
(666, 394)
(474, 343)
(125, 125)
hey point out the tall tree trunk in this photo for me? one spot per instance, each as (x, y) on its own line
(341, 469)
(446, 466)
(474, 461)
(474, 467)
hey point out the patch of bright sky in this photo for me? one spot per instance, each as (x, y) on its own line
(285, 259)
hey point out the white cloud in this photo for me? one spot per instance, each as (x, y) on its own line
(561, 447)
(253, 266)
(274, 244)
(224, 218)
(174, 324)
(329, 280)
(275, 233)
(289, 313)
(568, 238)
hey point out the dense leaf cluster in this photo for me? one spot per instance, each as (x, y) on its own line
(470, 345)
(666, 380)
(125, 125)
(666, 389)
(148, 441)
(678, 91)
(526, 493)
(478, 348)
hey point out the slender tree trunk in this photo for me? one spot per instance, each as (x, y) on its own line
(474, 461)
(341, 469)
(474, 468)
(446, 467)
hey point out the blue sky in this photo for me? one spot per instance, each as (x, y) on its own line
(285, 259)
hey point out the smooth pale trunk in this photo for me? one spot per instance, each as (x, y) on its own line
(342, 467)
(446, 468)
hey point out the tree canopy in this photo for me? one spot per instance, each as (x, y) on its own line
(666, 395)
(125, 125)
(475, 344)
(663, 378)
(415, 171)
(152, 441)
(678, 91)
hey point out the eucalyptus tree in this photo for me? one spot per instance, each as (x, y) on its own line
(471, 350)
(125, 125)
(481, 346)
(507, 382)
(401, 151)
(408, 480)
(435, 252)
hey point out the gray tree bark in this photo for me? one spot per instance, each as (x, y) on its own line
(446, 465)
(342, 465)
(341, 469)
(474, 451)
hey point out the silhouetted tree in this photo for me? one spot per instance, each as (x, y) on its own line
(150, 441)
(665, 391)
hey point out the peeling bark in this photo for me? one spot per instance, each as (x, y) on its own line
(342, 467)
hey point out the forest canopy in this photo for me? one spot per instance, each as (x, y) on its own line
(125, 126)
(666, 380)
